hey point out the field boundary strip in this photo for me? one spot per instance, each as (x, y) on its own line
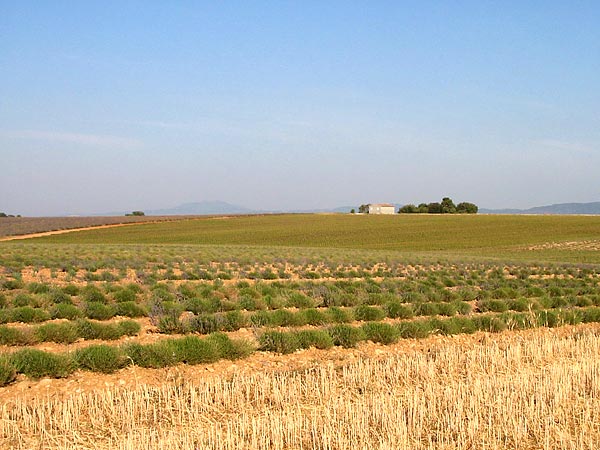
(69, 230)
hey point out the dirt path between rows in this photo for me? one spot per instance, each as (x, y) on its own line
(71, 230)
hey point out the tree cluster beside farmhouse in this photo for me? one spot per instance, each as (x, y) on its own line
(446, 206)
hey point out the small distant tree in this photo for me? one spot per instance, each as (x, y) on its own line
(136, 213)
(467, 208)
(3, 214)
(408, 209)
(448, 206)
(423, 208)
(352, 211)
(363, 209)
(434, 208)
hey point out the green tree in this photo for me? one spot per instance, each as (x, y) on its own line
(363, 209)
(352, 211)
(408, 209)
(448, 206)
(423, 208)
(467, 208)
(434, 208)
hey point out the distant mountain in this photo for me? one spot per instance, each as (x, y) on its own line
(560, 208)
(201, 208)
(219, 208)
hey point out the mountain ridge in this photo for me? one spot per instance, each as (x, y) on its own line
(218, 207)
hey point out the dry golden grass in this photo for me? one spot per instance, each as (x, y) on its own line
(532, 390)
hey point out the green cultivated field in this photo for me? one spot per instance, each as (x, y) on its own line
(564, 238)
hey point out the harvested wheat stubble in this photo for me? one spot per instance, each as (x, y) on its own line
(529, 390)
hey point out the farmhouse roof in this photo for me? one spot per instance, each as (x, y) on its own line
(381, 204)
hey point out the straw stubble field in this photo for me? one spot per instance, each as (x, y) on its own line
(533, 390)
(284, 332)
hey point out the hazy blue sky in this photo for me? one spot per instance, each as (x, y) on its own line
(108, 106)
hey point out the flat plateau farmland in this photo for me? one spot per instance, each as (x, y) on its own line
(304, 331)
(530, 237)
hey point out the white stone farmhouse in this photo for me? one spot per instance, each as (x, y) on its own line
(381, 208)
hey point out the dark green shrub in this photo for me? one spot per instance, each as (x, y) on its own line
(16, 336)
(280, 342)
(519, 304)
(313, 316)
(202, 305)
(27, 314)
(39, 364)
(285, 318)
(504, 292)
(489, 323)
(590, 315)
(364, 312)
(5, 315)
(397, 310)
(345, 335)
(11, 285)
(571, 317)
(128, 327)
(466, 294)
(595, 299)
(582, 301)
(339, 315)
(91, 294)
(548, 318)
(492, 305)
(8, 374)
(299, 300)
(61, 333)
(447, 309)
(458, 325)
(252, 304)
(93, 330)
(65, 311)
(130, 309)
(462, 307)
(100, 358)
(152, 356)
(383, 333)
(171, 309)
(136, 289)
(21, 300)
(230, 348)
(417, 329)
(193, 350)
(38, 288)
(554, 302)
(314, 338)
(160, 293)
(413, 297)
(3, 301)
(204, 324)
(275, 302)
(170, 325)
(56, 296)
(98, 311)
(71, 289)
(233, 321)
(124, 295)
(261, 319)
(427, 309)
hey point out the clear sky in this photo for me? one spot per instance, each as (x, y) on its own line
(108, 106)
